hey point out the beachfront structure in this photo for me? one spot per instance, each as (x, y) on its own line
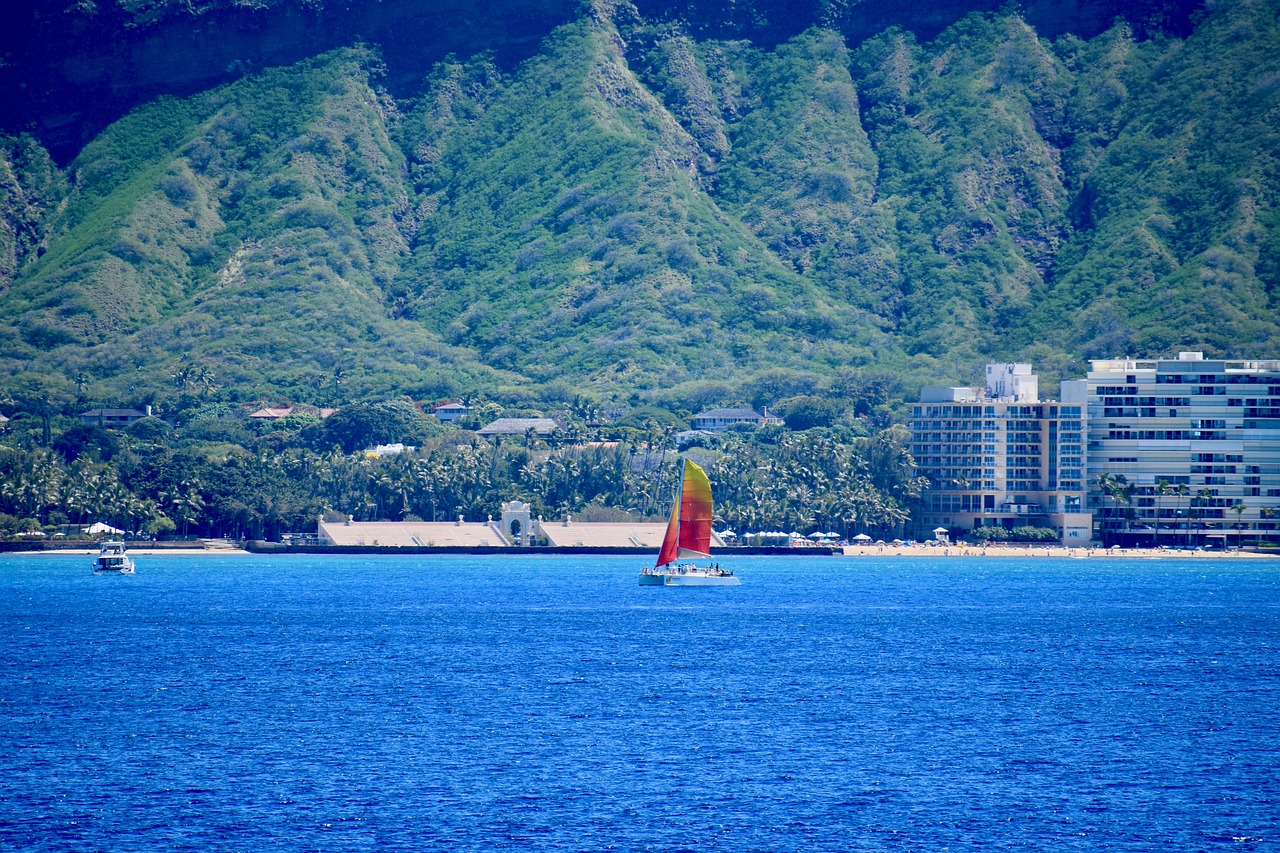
(1188, 450)
(410, 534)
(997, 455)
(515, 528)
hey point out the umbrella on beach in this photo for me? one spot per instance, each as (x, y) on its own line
(862, 537)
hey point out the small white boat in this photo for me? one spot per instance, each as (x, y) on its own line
(112, 558)
(689, 537)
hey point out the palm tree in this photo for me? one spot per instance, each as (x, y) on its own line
(1103, 483)
(1238, 508)
(1164, 489)
(1202, 498)
(1116, 487)
(1183, 491)
(1269, 513)
(182, 378)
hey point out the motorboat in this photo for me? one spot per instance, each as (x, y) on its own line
(112, 558)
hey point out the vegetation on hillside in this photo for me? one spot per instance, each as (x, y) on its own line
(642, 216)
(217, 475)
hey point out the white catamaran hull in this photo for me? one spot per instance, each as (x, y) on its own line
(689, 578)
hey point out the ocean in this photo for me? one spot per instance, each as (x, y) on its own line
(550, 703)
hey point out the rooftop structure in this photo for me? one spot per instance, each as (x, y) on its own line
(272, 413)
(113, 417)
(520, 426)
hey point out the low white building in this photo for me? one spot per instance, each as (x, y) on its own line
(411, 534)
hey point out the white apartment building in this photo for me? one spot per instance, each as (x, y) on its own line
(999, 456)
(1197, 443)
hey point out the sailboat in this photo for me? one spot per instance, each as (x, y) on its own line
(688, 538)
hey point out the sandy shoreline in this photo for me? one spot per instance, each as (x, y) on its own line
(146, 552)
(1039, 551)
(849, 551)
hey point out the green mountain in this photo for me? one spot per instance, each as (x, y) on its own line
(642, 212)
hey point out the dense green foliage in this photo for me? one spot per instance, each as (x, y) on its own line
(214, 477)
(1017, 534)
(640, 216)
(633, 225)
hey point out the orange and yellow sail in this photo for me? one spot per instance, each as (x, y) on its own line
(689, 531)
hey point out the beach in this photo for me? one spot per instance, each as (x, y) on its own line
(917, 550)
(141, 551)
(1049, 550)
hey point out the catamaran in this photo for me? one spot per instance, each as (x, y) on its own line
(688, 538)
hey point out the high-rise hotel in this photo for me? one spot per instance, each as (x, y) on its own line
(1000, 456)
(1176, 451)
(1188, 450)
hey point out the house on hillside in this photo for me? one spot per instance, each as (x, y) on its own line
(718, 420)
(520, 426)
(449, 411)
(113, 417)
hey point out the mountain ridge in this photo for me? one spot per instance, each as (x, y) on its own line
(70, 70)
(636, 211)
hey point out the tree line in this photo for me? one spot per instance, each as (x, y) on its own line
(219, 477)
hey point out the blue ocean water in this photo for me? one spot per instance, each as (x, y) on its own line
(227, 703)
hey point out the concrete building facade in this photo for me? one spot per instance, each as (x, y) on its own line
(1188, 450)
(999, 456)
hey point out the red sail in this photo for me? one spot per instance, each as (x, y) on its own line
(689, 531)
(669, 542)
